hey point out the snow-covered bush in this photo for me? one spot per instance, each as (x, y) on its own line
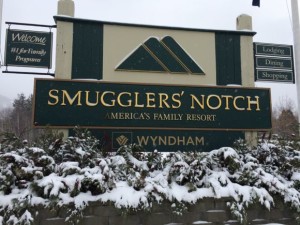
(76, 172)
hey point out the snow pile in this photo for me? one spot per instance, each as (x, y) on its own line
(77, 172)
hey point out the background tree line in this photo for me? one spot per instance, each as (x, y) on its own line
(18, 119)
(285, 119)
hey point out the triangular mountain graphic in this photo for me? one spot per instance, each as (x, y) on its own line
(165, 55)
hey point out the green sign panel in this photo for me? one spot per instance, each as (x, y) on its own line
(28, 48)
(106, 105)
(273, 50)
(275, 75)
(274, 63)
(166, 141)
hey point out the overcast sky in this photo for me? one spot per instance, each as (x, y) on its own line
(271, 21)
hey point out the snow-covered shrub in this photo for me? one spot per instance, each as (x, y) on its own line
(78, 172)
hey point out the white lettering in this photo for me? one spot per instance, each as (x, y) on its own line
(28, 39)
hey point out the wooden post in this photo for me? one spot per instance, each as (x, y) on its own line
(296, 36)
(64, 41)
(64, 45)
(244, 22)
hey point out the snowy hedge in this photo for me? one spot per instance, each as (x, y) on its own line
(76, 171)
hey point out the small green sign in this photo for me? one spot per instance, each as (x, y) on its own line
(273, 50)
(28, 48)
(166, 141)
(62, 103)
(275, 75)
(274, 63)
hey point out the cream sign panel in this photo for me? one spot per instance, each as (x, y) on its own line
(145, 54)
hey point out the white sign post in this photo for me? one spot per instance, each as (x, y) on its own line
(296, 35)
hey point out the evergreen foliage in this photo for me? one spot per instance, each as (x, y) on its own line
(75, 172)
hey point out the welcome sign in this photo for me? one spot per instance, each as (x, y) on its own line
(106, 105)
(28, 48)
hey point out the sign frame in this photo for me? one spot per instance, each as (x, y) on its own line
(18, 53)
(279, 48)
(174, 121)
(278, 75)
(278, 55)
(276, 60)
(166, 141)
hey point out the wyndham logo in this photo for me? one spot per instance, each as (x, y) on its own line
(164, 55)
(120, 139)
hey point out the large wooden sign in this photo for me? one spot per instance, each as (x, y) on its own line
(28, 48)
(106, 105)
(274, 63)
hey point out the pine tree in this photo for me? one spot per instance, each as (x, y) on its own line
(287, 124)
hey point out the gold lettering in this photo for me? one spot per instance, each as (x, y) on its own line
(107, 116)
(105, 103)
(153, 140)
(227, 97)
(121, 116)
(163, 97)
(235, 105)
(51, 95)
(114, 116)
(120, 102)
(214, 107)
(182, 140)
(200, 141)
(137, 101)
(172, 140)
(88, 103)
(127, 116)
(162, 140)
(150, 100)
(208, 117)
(201, 117)
(253, 102)
(143, 140)
(190, 141)
(188, 117)
(165, 116)
(71, 100)
(175, 100)
(194, 98)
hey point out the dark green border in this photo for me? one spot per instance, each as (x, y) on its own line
(228, 59)
(10, 58)
(257, 45)
(87, 58)
(180, 140)
(100, 116)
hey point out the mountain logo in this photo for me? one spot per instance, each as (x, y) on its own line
(164, 55)
(121, 138)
